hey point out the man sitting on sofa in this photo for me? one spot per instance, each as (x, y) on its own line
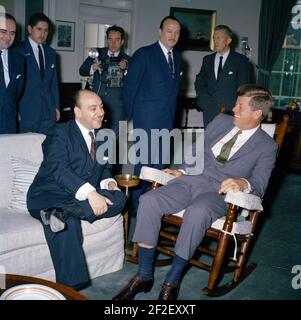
(72, 184)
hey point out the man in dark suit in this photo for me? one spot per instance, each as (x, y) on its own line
(245, 166)
(107, 80)
(72, 184)
(11, 75)
(151, 88)
(221, 74)
(39, 104)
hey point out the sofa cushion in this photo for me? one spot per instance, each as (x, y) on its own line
(19, 231)
(22, 230)
(24, 173)
(22, 145)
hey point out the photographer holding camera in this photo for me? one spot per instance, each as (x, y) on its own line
(106, 67)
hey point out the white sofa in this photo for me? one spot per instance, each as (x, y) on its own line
(23, 248)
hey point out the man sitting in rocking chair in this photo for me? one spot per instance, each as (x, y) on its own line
(238, 156)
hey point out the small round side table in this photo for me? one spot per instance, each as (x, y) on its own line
(127, 181)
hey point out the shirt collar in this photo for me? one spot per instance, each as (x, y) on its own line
(164, 49)
(84, 130)
(33, 43)
(4, 53)
(116, 54)
(248, 132)
(225, 55)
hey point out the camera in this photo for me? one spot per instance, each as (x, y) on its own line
(109, 62)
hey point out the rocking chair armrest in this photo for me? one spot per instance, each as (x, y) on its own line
(244, 200)
(155, 175)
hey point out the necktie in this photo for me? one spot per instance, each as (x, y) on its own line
(92, 150)
(2, 79)
(170, 63)
(226, 148)
(41, 62)
(220, 67)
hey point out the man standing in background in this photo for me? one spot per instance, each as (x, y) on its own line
(107, 71)
(11, 75)
(39, 104)
(151, 88)
(222, 73)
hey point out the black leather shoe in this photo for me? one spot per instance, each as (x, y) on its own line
(168, 292)
(134, 286)
(53, 217)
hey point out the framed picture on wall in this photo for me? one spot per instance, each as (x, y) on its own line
(197, 28)
(65, 35)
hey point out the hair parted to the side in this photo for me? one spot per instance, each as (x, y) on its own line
(168, 17)
(116, 28)
(38, 17)
(261, 98)
(227, 30)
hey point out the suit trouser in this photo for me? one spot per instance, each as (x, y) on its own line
(66, 246)
(202, 209)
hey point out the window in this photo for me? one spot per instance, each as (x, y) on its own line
(285, 80)
(95, 36)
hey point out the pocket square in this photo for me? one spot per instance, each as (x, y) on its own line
(27, 54)
(230, 72)
(18, 76)
(181, 73)
(52, 66)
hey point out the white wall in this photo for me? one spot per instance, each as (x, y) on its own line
(145, 16)
(241, 16)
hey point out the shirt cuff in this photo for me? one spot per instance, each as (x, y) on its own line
(249, 188)
(182, 171)
(104, 184)
(83, 191)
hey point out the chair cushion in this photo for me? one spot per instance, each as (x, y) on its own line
(244, 200)
(240, 227)
(151, 174)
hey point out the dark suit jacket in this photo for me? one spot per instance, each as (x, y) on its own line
(40, 97)
(254, 161)
(66, 167)
(149, 91)
(9, 97)
(212, 94)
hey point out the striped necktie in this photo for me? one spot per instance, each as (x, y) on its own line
(92, 150)
(170, 63)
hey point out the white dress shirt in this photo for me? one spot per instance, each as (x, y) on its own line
(165, 51)
(85, 189)
(216, 61)
(241, 140)
(4, 57)
(35, 50)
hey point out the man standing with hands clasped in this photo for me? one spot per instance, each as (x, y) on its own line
(221, 74)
